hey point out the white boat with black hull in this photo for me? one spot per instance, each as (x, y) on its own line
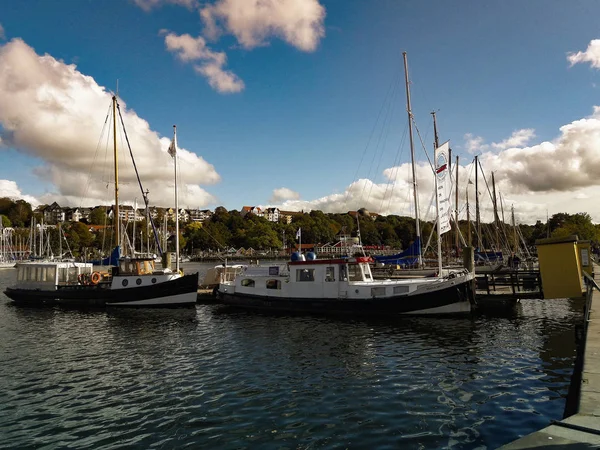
(135, 282)
(346, 286)
(132, 282)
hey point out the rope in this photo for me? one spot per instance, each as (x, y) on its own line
(146, 202)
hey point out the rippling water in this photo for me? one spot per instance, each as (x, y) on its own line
(214, 377)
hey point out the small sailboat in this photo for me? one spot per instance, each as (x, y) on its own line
(6, 257)
(346, 285)
(133, 282)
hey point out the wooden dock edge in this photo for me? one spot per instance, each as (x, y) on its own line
(581, 430)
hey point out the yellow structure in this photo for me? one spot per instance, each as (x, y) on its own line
(585, 256)
(561, 263)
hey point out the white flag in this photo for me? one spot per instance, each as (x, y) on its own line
(443, 186)
(298, 233)
(173, 148)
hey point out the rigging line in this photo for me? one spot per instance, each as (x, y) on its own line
(87, 186)
(383, 135)
(384, 143)
(423, 145)
(388, 103)
(138, 178)
(395, 168)
(486, 183)
(372, 133)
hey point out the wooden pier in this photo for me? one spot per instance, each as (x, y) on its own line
(508, 286)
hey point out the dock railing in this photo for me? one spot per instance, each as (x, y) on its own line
(518, 281)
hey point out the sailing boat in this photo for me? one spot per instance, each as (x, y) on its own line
(133, 282)
(6, 259)
(346, 285)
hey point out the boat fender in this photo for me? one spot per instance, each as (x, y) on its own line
(180, 272)
(96, 277)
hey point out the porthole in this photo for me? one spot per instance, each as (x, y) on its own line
(125, 282)
(138, 281)
(153, 280)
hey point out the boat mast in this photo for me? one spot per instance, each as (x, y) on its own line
(496, 219)
(477, 217)
(516, 247)
(437, 200)
(116, 218)
(412, 155)
(456, 207)
(468, 219)
(176, 200)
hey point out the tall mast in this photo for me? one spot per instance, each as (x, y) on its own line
(176, 200)
(468, 219)
(437, 199)
(456, 207)
(496, 220)
(412, 156)
(116, 218)
(516, 247)
(477, 217)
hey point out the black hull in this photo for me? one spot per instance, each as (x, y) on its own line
(458, 295)
(101, 294)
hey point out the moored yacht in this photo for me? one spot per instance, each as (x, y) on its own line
(134, 282)
(346, 286)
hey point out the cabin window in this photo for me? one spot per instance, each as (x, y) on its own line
(125, 282)
(305, 274)
(378, 291)
(247, 282)
(21, 274)
(354, 273)
(400, 289)
(343, 273)
(73, 274)
(44, 273)
(273, 284)
(51, 275)
(367, 272)
(330, 274)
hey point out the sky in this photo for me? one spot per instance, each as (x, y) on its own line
(301, 104)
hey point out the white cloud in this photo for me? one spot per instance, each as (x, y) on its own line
(9, 188)
(559, 176)
(591, 55)
(517, 138)
(2, 34)
(283, 194)
(148, 5)
(474, 144)
(252, 22)
(188, 49)
(50, 110)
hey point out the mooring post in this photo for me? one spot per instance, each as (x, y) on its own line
(469, 259)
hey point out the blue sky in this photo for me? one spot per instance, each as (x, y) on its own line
(303, 118)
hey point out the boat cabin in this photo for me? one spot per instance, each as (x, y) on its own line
(49, 275)
(136, 266)
(329, 270)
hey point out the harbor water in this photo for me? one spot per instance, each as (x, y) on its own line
(219, 378)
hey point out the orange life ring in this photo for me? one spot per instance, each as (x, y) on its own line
(96, 277)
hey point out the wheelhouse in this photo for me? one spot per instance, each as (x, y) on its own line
(51, 275)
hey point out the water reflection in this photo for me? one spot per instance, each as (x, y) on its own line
(215, 377)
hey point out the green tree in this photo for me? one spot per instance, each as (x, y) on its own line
(98, 216)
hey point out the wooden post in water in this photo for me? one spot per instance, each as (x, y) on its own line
(469, 259)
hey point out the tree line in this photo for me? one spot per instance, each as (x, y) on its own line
(230, 229)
